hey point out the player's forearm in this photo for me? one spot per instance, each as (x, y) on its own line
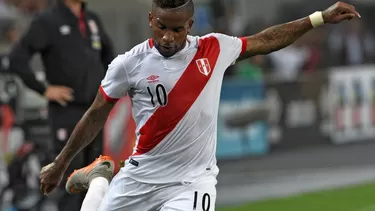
(86, 130)
(277, 37)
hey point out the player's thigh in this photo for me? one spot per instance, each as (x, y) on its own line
(200, 196)
(125, 194)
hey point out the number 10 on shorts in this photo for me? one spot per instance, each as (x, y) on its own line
(206, 202)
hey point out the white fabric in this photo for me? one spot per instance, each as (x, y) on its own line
(128, 194)
(189, 149)
(97, 190)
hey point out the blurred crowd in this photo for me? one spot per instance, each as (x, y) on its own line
(15, 16)
(350, 43)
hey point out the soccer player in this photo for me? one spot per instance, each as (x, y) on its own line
(174, 81)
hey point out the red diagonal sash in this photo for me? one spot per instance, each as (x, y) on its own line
(186, 90)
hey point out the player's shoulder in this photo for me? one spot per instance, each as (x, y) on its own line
(203, 37)
(134, 56)
(217, 36)
(205, 40)
(211, 35)
(208, 40)
(140, 49)
(136, 52)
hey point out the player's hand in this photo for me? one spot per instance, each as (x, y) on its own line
(339, 12)
(50, 177)
(60, 94)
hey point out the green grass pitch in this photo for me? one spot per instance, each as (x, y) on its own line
(353, 198)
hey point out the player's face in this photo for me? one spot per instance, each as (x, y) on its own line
(170, 29)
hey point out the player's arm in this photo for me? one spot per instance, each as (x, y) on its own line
(87, 128)
(283, 35)
(113, 87)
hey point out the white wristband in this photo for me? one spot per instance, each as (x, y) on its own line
(316, 19)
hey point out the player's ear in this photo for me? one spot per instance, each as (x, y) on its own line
(150, 17)
(191, 22)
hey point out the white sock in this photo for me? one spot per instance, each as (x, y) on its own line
(97, 190)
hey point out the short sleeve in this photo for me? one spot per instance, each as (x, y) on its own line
(231, 47)
(115, 84)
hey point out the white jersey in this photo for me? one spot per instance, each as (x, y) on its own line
(175, 104)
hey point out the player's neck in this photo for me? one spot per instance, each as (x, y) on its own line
(74, 6)
(183, 45)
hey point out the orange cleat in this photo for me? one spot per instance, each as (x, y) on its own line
(80, 179)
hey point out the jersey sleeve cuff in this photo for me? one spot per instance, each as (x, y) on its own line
(106, 97)
(244, 44)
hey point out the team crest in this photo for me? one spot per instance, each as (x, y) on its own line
(204, 66)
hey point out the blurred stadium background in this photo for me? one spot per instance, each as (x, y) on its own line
(312, 150)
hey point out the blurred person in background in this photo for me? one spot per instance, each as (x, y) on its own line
(76, 51)
(288, 62)
(304, 56)
(236, 25)
(251, 68)
(218, 13)
(254, 67)
(24, 10)
(314, 44)
(9, 35)
(352, 44)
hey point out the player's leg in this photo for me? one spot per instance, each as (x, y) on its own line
(95, 177)
(199, 196)
(123, 193)
(95, 194)
(126, 193)
(90, 153)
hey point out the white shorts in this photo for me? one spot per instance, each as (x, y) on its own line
(126, 194)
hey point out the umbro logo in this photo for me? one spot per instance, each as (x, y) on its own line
(152, 78)
(204, 66)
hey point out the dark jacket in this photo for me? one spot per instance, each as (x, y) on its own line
(70, 59)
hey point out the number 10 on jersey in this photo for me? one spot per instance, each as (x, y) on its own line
(159, 95)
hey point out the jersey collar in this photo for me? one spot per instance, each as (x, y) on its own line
(181, 52)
